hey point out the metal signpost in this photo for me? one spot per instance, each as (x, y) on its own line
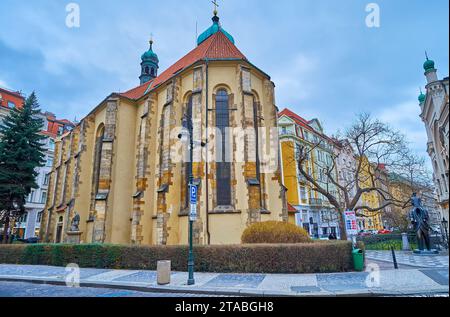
(192, 217)
(193, 191)
(351, 225)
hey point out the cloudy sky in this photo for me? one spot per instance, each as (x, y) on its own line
(324, 60)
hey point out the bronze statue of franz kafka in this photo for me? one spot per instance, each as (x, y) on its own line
(420, 220)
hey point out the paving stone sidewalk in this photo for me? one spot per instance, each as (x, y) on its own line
(410, 259)
(380, 283)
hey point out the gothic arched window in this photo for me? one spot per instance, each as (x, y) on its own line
(223, 159)
(98, 157)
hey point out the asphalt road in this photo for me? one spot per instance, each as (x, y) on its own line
(19, 289)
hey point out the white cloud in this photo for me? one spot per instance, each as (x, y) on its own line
(405, 117)
(3, 84)
(294, 79)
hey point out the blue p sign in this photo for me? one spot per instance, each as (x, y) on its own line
(193, 190)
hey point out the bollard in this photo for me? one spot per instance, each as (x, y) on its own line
(163, 271)
(394, 258)
(405, 242)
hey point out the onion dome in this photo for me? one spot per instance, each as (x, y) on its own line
(213, 29)
(422, 97)
(429, 64)
(150, 56)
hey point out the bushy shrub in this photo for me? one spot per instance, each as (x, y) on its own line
(274, 232)
(324, 257)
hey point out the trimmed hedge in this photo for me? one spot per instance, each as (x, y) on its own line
(321, 257)
(274, 232)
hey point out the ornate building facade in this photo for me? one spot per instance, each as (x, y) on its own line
(124, 171)
(435, 108)
(308, 208)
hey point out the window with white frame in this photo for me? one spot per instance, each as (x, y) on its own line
(51, 145)
(43, 197)
(46, 180)
(39, 217)
(31, 196)
(49, 162)
(303, 196)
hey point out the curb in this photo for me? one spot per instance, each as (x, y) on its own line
(223, 292)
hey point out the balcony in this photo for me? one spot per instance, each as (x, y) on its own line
(287, 133)
(315, 202)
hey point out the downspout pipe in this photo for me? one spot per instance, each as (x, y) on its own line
(207, 153)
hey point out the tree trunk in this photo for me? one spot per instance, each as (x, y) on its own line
(342, 225)
(5, 231)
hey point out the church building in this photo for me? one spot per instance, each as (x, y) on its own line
(121, 175)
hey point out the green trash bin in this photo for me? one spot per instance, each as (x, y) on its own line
(358, 259)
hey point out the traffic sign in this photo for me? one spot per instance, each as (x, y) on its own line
(193, 190)
(193, 212)
(351, 222)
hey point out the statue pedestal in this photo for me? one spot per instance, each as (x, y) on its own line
(73, 237)
(426, 252)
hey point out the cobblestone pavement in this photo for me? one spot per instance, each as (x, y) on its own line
(376, 281)
(409, 259)
(18, 289)
(384, 265)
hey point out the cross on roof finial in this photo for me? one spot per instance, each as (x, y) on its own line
(151, 40)
(426, 54)
(216, 5)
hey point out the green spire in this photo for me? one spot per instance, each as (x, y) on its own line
(422, 97)
(429, 64)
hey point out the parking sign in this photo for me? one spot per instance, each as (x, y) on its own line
(193, 190)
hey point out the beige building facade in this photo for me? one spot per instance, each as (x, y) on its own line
(435, 115)
(121, 175)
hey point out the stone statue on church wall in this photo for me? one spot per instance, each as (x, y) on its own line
(75, 223)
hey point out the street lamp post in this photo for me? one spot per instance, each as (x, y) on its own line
(188, 125)
(444, 224)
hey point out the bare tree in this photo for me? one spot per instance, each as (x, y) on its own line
(377, 148)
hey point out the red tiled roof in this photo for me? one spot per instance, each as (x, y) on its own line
(294, 116)
(291, 209)
(54, 124)
(301, 121)
(18, 94)
(218, 46)
(50, 134)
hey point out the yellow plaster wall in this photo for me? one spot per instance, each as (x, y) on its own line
(290, 172)
(123, 175)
